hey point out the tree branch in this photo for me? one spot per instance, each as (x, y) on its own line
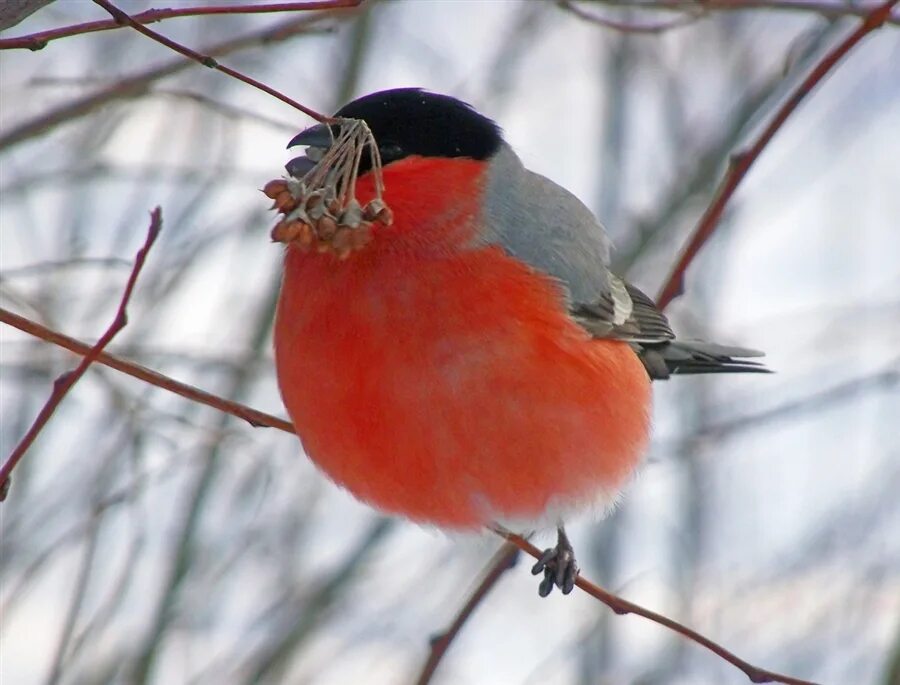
(502, 561)
(64, 383)
(38, 41)
(742, 161)
(205, 60)
(623, 606)
(139, 84)
(705, 8)
(255, 418)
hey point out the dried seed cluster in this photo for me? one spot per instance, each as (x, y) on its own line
(315, 222)
(320, 211)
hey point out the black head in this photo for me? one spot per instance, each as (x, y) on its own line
(411, 121)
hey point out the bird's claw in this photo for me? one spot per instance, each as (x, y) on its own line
(558, 566)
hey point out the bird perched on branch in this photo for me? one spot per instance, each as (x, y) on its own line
(450, 343)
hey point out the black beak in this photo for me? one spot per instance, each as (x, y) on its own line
(315, 136)
(319, 137)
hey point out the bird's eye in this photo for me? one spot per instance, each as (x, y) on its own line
(390, 152)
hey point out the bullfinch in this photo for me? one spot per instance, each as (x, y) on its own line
(469, 361)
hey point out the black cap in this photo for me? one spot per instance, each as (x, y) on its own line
(412, 121)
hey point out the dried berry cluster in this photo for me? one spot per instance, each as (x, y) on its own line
(320, 210)
(314, 221)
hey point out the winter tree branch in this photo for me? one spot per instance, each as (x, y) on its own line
(64, 383)
(742, 161)
(38, 41)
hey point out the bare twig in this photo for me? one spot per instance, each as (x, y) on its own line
(37, 41)
(502, 561)
(828, 10)
(205, 60)
(742, 161)
(623, 606)
(252, 416)
(66, 381)
(139, 84)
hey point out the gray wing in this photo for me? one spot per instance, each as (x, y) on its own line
(626, 313)
(544, 225)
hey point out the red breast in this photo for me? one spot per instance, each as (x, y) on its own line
(444, 380)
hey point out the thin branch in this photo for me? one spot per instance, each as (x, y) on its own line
(38, 41)
(828, 10)
(255, 418)
(623, 606)
(64, 383)
(205, 60)
(139, 84)
(742, 161)
(503, 560)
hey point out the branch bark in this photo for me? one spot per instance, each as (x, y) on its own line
(64, 383)
(623, 606)
(138, 84)
(252, 416)
(742, 161)
(205, 60)
(38, 41)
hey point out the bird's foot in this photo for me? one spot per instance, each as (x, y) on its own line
(558, 566)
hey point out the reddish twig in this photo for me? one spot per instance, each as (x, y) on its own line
(742, 161)
(503, 560)
(139, 84)
(205, 60)
(66, 381)
(252, 416)
(829, 10)
(623, 606)
(37, 41)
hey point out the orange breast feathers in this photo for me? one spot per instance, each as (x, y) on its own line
(447, 383)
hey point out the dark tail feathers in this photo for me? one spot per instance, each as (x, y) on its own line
(694, 356)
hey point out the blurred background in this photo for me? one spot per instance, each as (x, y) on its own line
(147, 539)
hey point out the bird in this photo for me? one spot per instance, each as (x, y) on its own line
(469, 362)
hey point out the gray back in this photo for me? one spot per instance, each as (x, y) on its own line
(545, 225)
